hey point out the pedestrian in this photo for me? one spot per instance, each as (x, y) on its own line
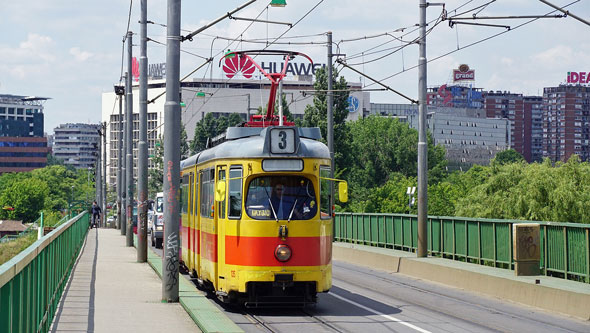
(95, 214)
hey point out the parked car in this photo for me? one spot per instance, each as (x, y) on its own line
(157, 226)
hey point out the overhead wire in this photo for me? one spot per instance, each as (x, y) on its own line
(268, 45)
(472, 44)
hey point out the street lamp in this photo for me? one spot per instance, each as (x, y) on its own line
(278, 3)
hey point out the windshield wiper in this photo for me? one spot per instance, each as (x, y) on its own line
(273, 210)
(292, 210)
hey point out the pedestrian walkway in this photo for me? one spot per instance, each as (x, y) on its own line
(109, 291)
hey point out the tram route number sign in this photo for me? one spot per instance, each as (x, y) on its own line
(282, 140)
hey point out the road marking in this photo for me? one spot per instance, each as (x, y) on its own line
(381, 314)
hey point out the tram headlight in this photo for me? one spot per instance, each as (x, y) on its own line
(283, 253)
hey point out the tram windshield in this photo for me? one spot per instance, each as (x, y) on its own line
(281, 198)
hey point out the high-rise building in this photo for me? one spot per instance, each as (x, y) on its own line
(525, 116)
(75, 144)
(566, 122)
(22, 144)
(533, 128)
(467, 135)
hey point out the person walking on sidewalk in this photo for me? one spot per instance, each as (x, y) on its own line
(95, 215)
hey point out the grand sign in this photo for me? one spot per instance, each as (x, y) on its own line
(463, 74)
(578, 77)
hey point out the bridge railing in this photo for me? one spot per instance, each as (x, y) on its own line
(31, 283)
(565, 247)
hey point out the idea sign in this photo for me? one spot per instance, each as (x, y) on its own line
(578, 77)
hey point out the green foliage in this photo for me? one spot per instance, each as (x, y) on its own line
(49, 189)
(316, 115)
(508, 156)
(385, 148)
(538, 191)
(10, 249)
(210, 127)
(27, 197)
(156, 174)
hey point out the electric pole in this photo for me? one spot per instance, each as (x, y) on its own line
(104, 174)
(119, 91)
(172, 156)
(123, 160)
(330, 129)
(129, 142)
(422, 146)
(142, 152)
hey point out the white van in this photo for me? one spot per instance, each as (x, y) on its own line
(157, 225)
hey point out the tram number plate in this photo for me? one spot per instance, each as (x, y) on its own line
(282, 140)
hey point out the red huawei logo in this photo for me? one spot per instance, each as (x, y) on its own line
(236, 64)
(135, 68)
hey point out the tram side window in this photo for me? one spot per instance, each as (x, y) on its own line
(325, 209)
(205, 211)
(184, 194)
(221, 176)
(235, 192)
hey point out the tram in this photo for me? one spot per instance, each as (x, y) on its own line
(257, 213)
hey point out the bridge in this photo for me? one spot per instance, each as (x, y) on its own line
(76, 279)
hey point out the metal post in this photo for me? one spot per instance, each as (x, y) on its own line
(129, 143)
(330, 129)
(123, 160)
(98, 181)
(280, 103)
(119, 157)
(422, 146)
(172, 156)
(104, 174)
(142, 152)
(248, 110)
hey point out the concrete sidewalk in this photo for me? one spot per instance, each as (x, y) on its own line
(109, 291)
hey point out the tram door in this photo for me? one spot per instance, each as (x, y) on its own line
(196, 225)
(220, 227)
(191, 222)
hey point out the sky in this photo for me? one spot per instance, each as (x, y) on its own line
(71, 51)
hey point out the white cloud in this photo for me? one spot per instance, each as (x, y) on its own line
(506, 61)
(80, 56)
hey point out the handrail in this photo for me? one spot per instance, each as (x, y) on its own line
(565, 247)
(32, 282)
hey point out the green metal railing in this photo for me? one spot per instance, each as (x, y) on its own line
(31, 283)
(565, 247)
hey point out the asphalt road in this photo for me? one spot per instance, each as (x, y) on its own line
(365, 300)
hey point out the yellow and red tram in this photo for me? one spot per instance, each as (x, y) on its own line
(257, 216)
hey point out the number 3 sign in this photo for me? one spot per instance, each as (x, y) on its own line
(282, 140)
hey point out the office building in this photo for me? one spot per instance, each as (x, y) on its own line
(76, 144)
(566, 122)
(22, 144)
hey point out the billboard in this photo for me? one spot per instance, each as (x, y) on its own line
(463, 74)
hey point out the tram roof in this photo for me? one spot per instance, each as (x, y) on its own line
(254, 142)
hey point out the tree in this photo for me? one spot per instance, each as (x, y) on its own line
(184, 144)
(206, 128)
(156, 173)
(384, 146)
(508, 156)
(316, 114)
(27, 197)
